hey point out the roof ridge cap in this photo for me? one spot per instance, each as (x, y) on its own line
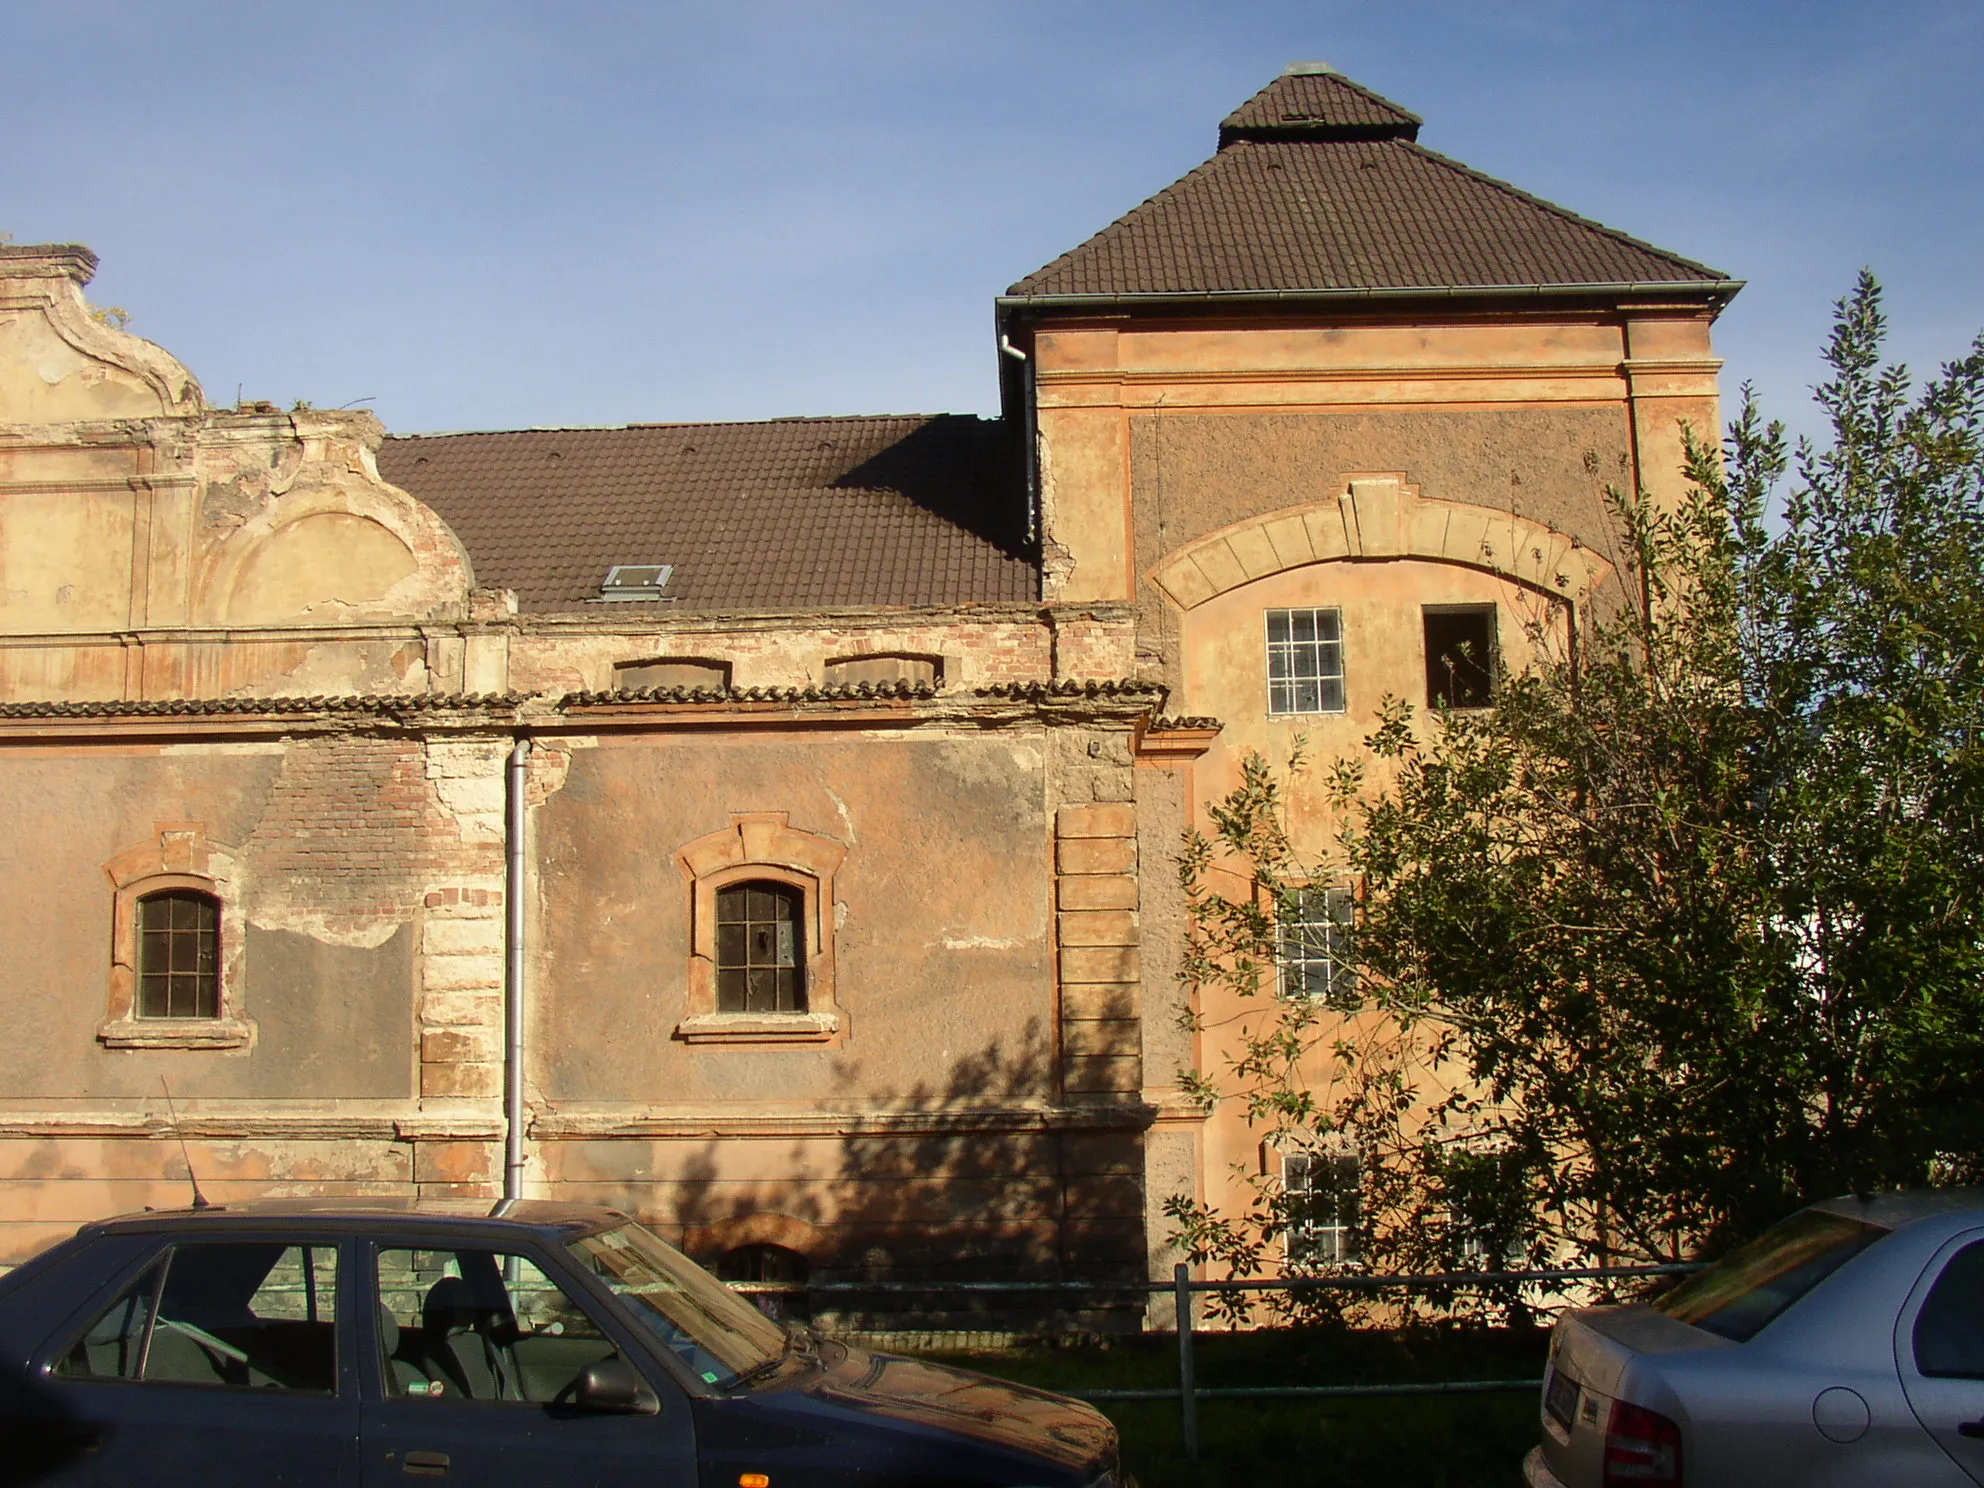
(1618, 234)
(797, 418)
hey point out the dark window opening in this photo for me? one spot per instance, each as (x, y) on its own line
(1460, 657)
(179, 955)
(689, 672)
(760, 950)
(769, 1265)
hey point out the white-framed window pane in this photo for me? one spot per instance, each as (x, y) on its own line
(1322, 1190)
(1305, 661)
(1312, 933)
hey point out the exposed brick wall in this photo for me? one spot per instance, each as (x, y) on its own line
(976, 652)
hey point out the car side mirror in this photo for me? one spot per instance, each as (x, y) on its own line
(611, 1386)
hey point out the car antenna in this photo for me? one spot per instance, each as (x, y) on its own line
(199, 1199)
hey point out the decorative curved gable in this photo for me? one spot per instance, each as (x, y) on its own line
(322, 539)
(59, 364)
(1378, 517)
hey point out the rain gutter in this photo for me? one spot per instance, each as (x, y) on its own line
(1721, 289)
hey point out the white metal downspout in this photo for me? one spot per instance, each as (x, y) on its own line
(513, 973)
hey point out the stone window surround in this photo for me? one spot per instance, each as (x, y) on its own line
(759, 845)
(178, 857)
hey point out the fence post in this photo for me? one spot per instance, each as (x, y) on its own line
(1188, 1397)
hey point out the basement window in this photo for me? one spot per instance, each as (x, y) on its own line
(1460, 656)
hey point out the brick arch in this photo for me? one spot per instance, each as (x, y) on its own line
(1378, 517)
(788, 1232)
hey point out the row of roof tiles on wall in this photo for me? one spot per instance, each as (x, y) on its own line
(1125, 689)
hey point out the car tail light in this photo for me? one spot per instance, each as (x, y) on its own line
(1642, 1448)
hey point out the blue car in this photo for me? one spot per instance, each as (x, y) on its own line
(365, 1343)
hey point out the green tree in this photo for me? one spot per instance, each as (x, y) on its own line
(1689, 927)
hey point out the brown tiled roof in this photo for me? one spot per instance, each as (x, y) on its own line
(784, 514)
(1314, 102)
(1340, 203)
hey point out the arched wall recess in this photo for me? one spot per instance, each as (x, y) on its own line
(332, 543)
(1378, 517)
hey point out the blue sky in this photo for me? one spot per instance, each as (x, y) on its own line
(508, 214)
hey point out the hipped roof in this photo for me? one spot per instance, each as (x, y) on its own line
(1319, 187)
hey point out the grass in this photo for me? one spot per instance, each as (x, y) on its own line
(1400, 1442)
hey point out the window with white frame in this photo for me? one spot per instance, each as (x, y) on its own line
(1312, 933)
(1322, 1191)
(1305, 661)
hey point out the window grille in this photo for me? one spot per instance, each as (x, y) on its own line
(1313, 933)
(1322, 1191)
(1305, 661)
(1460, 657)
(179, 955)
(760, 955)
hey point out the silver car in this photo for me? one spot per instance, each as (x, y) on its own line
(1844, 1347)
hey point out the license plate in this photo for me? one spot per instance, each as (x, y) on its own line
(1560, 1398)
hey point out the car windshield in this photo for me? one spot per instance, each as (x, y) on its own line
(1744, 1290)
(713, 1330)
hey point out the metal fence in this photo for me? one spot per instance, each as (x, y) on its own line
(1188, 1392)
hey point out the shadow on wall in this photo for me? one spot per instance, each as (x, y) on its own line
(946, 1182)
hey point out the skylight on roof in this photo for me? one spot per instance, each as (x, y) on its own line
(636, 581)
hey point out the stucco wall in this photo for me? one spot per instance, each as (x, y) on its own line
(940, 933)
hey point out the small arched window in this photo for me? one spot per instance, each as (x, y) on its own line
(760, 948)
(179, 955)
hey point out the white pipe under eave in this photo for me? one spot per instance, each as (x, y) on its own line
(513, 970)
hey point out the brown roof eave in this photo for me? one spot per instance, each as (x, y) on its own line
(1717, 292)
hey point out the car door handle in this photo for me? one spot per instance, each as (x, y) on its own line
(425, 1464)
(1971, 1428)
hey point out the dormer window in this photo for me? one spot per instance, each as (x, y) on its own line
(627, 581)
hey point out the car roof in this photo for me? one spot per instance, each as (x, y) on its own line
(499, 1215)
(1906, 1206)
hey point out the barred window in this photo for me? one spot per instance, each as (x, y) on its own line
(1313, 933)
(179, 955)
(1305, 661)
(760, 957)
(1322, 1190)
